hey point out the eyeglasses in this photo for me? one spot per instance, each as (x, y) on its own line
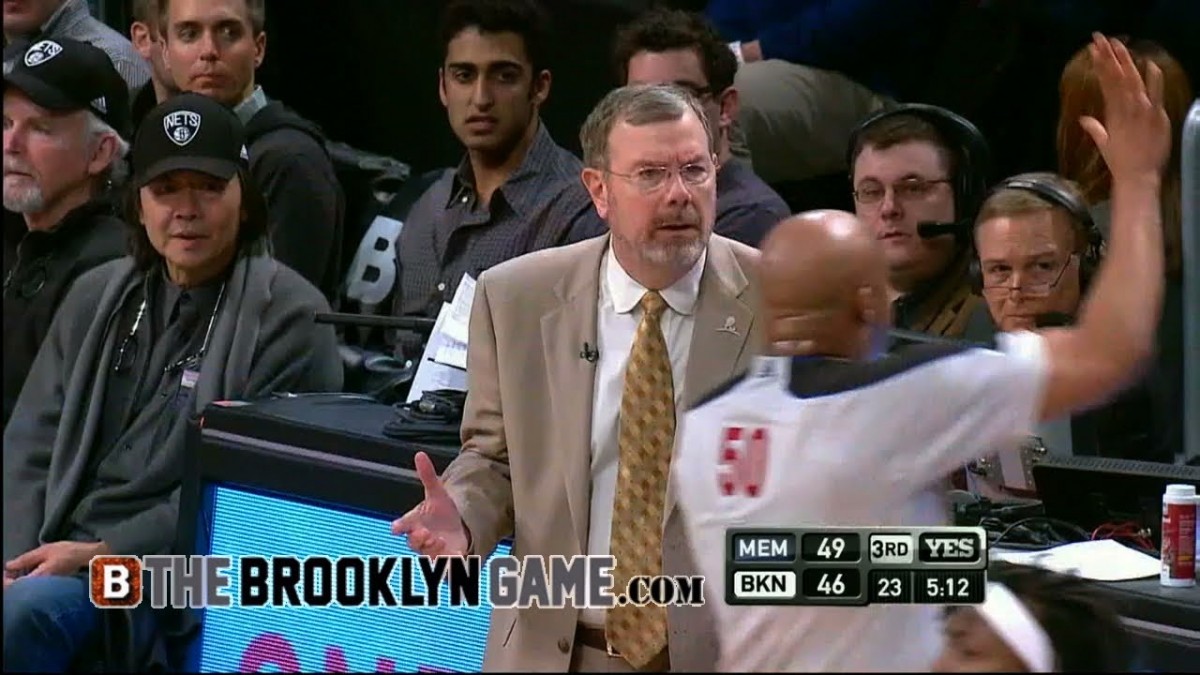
(908, 190)
(1038, 279)
(652, 178)
(127, 353)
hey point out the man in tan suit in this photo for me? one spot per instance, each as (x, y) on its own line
(580, 359)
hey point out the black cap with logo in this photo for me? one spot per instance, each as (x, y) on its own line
(189, 132)
(67, 75)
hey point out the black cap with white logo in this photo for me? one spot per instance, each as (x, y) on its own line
(189, 132)
(68, 75)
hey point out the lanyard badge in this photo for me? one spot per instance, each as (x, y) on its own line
(189, 378)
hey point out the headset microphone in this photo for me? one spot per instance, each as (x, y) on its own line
(930, 230)
(1053, 320)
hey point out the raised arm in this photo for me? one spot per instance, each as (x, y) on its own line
(1094, 360)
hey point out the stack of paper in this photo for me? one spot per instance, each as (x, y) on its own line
(444, 363)
(1099, 560)
(452, 350)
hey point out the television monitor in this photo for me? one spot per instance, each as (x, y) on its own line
(250, 496)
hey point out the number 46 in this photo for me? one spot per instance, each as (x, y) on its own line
(743, 461)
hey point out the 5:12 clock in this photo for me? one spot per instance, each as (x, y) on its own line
(949, 587)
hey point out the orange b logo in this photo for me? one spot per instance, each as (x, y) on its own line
(115, 581)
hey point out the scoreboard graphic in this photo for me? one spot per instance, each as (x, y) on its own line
(853, 567)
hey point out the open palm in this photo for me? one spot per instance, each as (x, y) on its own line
(435, 526)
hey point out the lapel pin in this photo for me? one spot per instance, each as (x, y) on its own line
(729, 327)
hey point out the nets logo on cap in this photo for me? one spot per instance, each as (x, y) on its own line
(42, 52)
(182, 126)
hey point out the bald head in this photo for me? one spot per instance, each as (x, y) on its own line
(823, 279)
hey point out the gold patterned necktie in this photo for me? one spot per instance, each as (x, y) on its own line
(646, 439)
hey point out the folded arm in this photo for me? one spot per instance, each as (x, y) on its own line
(29, 439)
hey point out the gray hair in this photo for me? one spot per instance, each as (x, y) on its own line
(638, 105)
(118, 171)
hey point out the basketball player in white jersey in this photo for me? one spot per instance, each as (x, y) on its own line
(853, 440)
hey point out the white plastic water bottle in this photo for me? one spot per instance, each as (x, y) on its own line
(1179, 536)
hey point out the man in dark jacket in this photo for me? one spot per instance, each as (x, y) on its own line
(65, 110)
(213, 47)
(145, 34)
(666, 46)
(811, 69)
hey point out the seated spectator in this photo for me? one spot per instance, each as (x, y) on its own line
(676, 47)
(65, 111)
(515, 190)
(1034, 621)
(915, 165)
(94, 452)
(35, 20)
(1037, 250)
(811, 69)
(1079, 160)
(147, 39)
(214, 47)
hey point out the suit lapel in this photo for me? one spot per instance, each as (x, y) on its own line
(565, 329)
(721, 331)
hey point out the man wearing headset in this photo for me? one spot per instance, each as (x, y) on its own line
(918, 173)
(1036, 245)
(65, 111)
(1036, 249)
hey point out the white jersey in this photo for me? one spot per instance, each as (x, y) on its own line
(820, 442)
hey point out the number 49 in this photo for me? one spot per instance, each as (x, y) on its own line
(743, 461)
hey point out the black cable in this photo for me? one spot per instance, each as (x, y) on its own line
(1069, 527)
(434, 418)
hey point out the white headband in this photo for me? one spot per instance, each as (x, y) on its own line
(1015, 624)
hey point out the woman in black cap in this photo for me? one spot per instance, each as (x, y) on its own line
(198, 313)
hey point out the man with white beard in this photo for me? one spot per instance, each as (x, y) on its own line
(580, 358)
(66, 109)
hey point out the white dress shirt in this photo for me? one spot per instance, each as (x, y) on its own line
(618, 316)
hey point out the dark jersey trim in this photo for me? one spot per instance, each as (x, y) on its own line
(814, 377)
(722, 389)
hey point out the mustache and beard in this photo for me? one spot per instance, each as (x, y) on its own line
(22, 193)
(676, 251)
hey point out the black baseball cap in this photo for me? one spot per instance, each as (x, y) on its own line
(68, 75)
(189, 131)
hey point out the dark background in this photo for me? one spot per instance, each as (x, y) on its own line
(366, 70)
(384, 55)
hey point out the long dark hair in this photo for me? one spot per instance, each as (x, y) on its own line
(1084, 629)
(251, 231)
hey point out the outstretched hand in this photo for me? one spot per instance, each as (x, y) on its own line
(435, 526)
(1135, 136)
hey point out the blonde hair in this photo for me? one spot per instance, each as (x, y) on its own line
(1011, 201)
(1078, 157)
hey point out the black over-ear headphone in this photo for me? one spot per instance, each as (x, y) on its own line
(972, 155)
(1054, 193)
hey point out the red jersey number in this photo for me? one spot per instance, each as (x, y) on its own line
(742, 461)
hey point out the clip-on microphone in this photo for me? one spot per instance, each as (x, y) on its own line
(589, 353)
